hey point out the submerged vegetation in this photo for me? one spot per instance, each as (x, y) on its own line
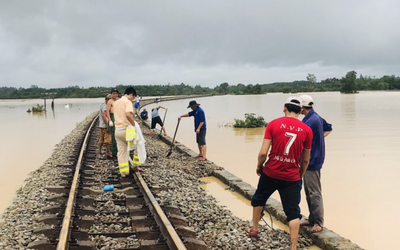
(250, 121)
(347, 84)
(37, 109)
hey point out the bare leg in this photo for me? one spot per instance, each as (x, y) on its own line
(163, 128)
(199, 146)
(108, 147)
(204, 151)
(99, 150)
(253, 231)
(294, 226)
(151, 133)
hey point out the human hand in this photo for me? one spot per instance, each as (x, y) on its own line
(179, 118)
(110, 123)
(259, 169)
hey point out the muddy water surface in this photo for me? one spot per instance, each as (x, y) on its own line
(360, 175)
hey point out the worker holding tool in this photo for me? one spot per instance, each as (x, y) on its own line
(199, 127)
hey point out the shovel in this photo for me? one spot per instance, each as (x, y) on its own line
(173, 140)
(163, 122)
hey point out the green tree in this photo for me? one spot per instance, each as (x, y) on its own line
(349, 82)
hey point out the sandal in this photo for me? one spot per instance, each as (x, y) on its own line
(251, 232)
(203, 159)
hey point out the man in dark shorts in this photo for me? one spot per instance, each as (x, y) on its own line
(156, 119)
(286, 139)
(200, 127)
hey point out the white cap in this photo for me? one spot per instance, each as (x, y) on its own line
(306, 101)
(294, 100)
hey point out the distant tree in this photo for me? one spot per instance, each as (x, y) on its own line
(349, 83)
(224, 87)
(312, 80)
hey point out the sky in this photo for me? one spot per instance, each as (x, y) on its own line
(55, 44)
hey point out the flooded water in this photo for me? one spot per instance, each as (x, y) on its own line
(28, 139)
(359, 177)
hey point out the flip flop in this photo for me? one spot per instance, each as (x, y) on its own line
(203, 159)
(251, 232)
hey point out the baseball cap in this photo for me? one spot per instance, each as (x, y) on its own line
(294, 100)
(306, 101)
(114, 90)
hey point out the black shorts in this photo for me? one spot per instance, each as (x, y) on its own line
(156, 120)
(201, 137)
(289, 191)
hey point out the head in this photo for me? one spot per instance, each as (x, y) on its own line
(307, 103)
(114, 93)
(293, 104)
(193, 105)
(108, 97)
(130, 93)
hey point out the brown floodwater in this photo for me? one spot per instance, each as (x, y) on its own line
(359, 177)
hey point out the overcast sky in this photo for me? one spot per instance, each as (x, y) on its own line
(107, 43)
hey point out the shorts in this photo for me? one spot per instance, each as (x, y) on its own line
(289, 191)
(105, 136)
(156, 120)
(201, 137)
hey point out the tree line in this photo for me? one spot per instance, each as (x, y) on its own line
(347, 84)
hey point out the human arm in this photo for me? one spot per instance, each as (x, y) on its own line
(129, 116)
(184, 115)
(161, 107)
(305, 160)
(327, 127)
(199, 127)
(108, 111)
(104, 116)
(262, 155)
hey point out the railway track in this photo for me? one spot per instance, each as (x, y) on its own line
(81, 215)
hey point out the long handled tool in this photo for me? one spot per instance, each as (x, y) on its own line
(173, 140)
(163, 122)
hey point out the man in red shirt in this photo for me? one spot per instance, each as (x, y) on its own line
(290, 142)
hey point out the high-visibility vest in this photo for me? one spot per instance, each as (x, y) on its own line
(130, 133)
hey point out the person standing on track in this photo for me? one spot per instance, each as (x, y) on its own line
(200, 127)
(285, 139)
(110, 115)
(123, 112)
(105, 136)
(156, 119)
(312, 177)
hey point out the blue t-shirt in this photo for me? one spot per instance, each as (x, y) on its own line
(199, 116)
(318, 126)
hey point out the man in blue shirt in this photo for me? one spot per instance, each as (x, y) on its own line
(200, 127)
(312, 177)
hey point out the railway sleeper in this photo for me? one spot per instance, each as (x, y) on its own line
(46, 245)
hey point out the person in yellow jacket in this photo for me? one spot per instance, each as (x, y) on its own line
(123, 114)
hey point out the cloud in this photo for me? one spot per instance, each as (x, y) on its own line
(105, 43)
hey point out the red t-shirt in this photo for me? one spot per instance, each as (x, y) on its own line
(289, 136)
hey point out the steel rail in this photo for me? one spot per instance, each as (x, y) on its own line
(67, 221)
(174, 242)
